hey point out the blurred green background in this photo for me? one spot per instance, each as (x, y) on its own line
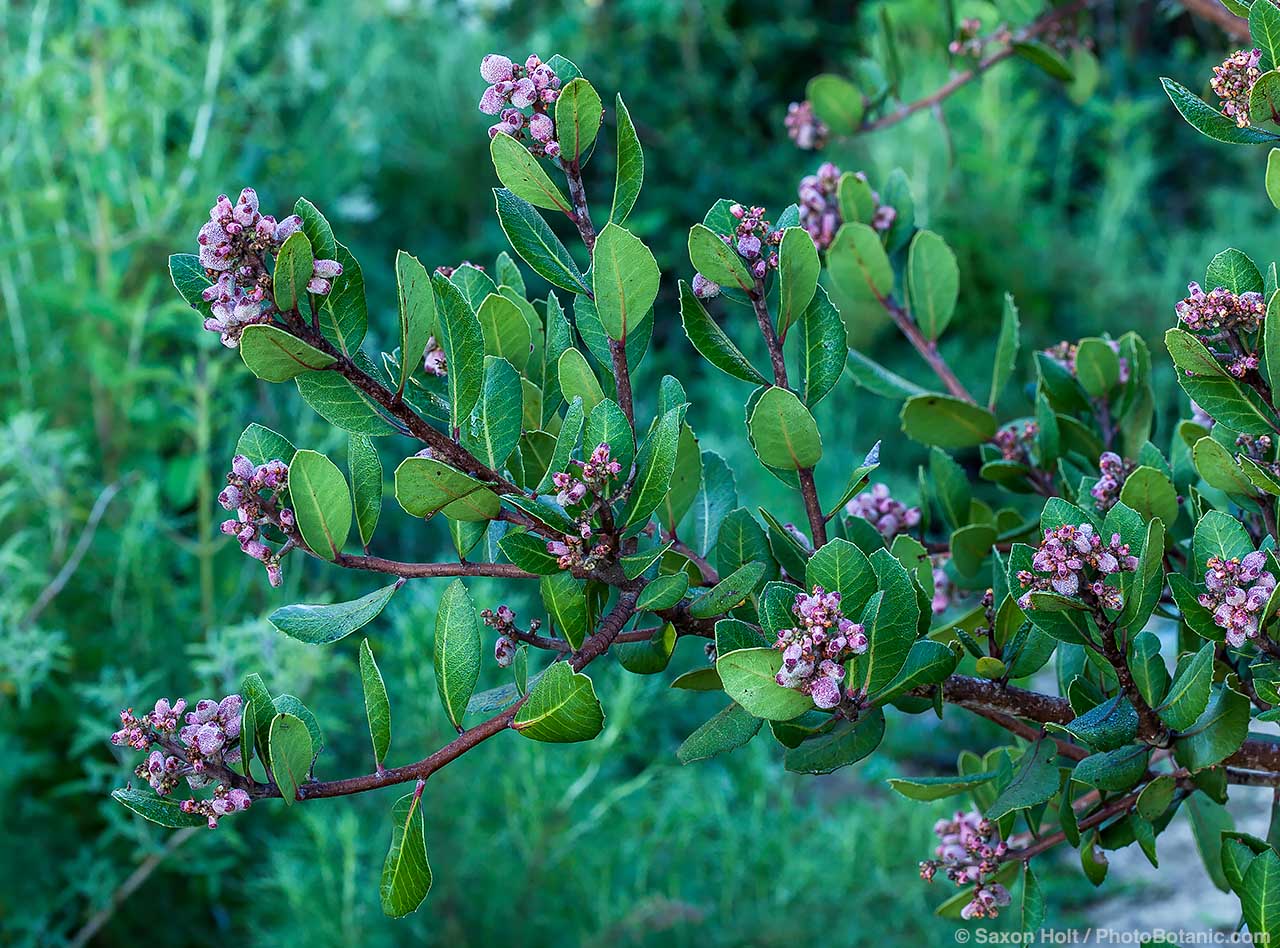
(121, 121)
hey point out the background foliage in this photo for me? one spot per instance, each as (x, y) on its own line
(119, 123)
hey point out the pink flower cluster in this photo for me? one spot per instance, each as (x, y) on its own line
(255, 513)
(804, 127)
(814, 651)
(1220, 310)
(1014, 440)
(754, 240)
(819, 205)
(967, 41)
(199, 751)
(1113, 471)
(582, 551)
(969, 852)
(503, 621)
(878, 507)
(1077, 562)
(1233, 81)
(1237, 593)
(514, 88)
(594, 476)
(234, 247)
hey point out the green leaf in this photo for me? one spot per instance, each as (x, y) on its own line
(522, 175)
(933, 280)
(664, 592)
(890, 620)
(1148, 668)
(529, 552)
(291, 754)
(840, 566)
(324, 624)
(875, 378)
(1233, 269)
(577, 380)
(565, 599)
(1033, 906)
(462, 340)
(730, 729)
(536, 243)
(457, 651)
(798, 271)
(1046, 58)
(650, 656)
(1209, 121)
(823, 348)
(425, 486)
(938, 788)
(566, 441)
(292, 704)
(1217, 733)
(1150, 493)
(712, 343)
(578, 115)
(1115, 770)
(685, 481)
(406, 873)
(190, 280)
(946, 422)
(1273, 177)
(1097, 366)
(1034, 782)
(1209, 820)
(729, 593)
(970, 546)
(783, 433)
(341, 404)
(716, 260)
(417, 313)
(655, 465)
(836, 101)
(274, 355)
(748, 677)
(1260, 888)
(165, 812)
(377, 707)
(1218, 534)
(321, 503)
(858, 264)
(561, 708)
(255, 693)
(294, 265)
(740, 540)
(1264, 30)
(1155, 797)
(1189, 693)
(343, 314)
(630, 172)
(260, 445)
(625, 278)
(1006, 355)
(492, 431)
(847, 742)
(1264, 99)
(700, 679)
(928, 663)
(506, 331)
(366, 484)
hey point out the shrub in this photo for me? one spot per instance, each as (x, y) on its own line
(1050, 528)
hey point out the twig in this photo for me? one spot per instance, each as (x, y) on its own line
(1216, 13)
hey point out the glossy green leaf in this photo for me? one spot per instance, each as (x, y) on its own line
(1208, 120)
(291, 754)
(655, 465)
(462, 340)
(748, 677)
(946, 422)
(938, 788)
(536, 244)
(933, 281)
(728, 593)
(522, 175)
(712, 342)
(1006, 356)
(858, 264)
(377, 707)
(716, 260)
(1189, 693)
(321, 503)
(457, 650)
(783, 433)
(625, 277)
(630, 171)
(366, 484)
(506, 331)
(417, 313)
(406, 873)
(836, 101)
(823, 348)
(274, 355)
(1034, 782)
(798, 271)
(730, 729)
(294, 265)
(578, 115)
(565, 599)
(160, 810)
(561, 708)
(847, 742)
(425, 486)
(327, 623)
(492, 431)
(577, 380)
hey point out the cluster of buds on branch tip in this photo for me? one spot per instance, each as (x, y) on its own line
(1015, 440)
(815, 650)
(1237, 593)
(255, 513)
(1077, 564)
(1222, 317)
(198, 752)
(234, 246)
(1113, 471)
(1064, 353)
(969, 853)
(514, 88)
(878, 507)
(804, 127)
(503, 621)
(1233, 82)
